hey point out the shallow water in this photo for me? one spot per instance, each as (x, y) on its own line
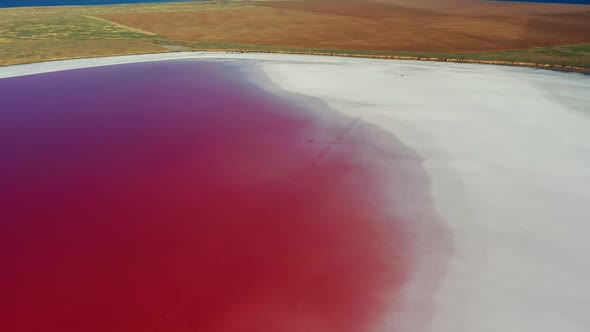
(575, 2)
(28, 3)
(177, 196)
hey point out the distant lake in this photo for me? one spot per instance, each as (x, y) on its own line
(577, 2)
(31, 3)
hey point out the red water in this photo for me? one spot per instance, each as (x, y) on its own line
(176, 196)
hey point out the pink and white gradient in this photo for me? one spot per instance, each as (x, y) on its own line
(486, 169)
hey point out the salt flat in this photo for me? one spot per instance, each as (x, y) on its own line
(508, 154)
(507, 151)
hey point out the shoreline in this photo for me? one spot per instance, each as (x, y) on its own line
(189, 54)
(438, 59)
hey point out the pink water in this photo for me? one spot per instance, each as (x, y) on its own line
(177, 196)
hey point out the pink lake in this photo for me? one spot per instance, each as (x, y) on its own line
(181, 196)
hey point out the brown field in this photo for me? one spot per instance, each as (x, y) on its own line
(447, 30)
(449, 26)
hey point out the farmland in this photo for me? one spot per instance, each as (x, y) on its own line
(457, 29)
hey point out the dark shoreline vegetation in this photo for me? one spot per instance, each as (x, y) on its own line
(570, 57)
(519, 58)
(558, 57)
(29, 35)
